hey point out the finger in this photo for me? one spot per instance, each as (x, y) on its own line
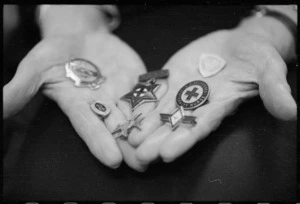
(208, 118)
(30, 74)
(94, 133)
(18, 92)
(125, 108)
(129, 156)
(148, 151)
(135, 139)
(116, 118)
(275, 91)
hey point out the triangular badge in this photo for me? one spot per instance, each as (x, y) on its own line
(210, 65)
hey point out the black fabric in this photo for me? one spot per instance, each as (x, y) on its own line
(250, 157)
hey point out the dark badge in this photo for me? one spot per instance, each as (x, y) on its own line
(192, 95)
(100, 109)
(154, 75)
(84, 73)
(141, 93)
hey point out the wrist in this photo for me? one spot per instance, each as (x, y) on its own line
(274, 30)
(58, 20)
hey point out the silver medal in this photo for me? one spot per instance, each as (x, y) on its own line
(177, 117)
(84, 73)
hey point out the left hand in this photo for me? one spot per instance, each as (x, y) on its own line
(43, 67)
(253, 67)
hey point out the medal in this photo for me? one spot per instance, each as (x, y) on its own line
(192, 95)
(84, 73)
(141, 93)
(189, 97)
(177, 117)
(100, 109)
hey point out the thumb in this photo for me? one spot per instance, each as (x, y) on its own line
(275, 91)
(18, 92)
(31, 73)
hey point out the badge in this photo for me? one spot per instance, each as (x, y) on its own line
(177, 117)
(141, 93)
(125, 129)
(84, 73)
(210, 65)
(100, 109)
(192, 95)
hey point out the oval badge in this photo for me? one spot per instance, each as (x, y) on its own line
(100, 109)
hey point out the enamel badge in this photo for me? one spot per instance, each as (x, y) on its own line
(192, 95)
(210, 65)
(177, 117)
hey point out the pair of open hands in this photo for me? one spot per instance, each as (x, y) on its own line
(254, 67)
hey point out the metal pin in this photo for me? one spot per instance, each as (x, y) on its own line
(177, 117)
(100, 109)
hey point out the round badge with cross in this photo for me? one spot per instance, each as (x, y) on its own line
(192, 95)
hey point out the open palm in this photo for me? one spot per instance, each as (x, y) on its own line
(44, 67)
(254, 67)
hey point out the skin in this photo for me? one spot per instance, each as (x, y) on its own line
(257, 70)
(43, 68)
(255, 66)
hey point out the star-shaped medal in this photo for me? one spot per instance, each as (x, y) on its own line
(141, 93)
(177, 117)
(125, 129)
